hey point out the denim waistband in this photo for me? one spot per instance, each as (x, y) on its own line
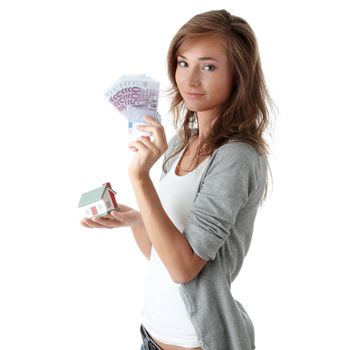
(148, 342)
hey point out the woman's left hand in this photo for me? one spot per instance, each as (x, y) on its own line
(147, 152)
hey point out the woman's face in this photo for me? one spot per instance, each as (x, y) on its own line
(203, 74)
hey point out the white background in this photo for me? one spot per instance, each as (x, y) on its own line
(67, 287)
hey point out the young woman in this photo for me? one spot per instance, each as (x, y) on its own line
(196, 226)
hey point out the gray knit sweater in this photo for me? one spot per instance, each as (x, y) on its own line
(219, 229)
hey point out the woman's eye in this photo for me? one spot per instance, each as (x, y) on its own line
(209, 67)
(182, 64)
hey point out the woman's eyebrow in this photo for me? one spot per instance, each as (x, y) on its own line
(201, 58)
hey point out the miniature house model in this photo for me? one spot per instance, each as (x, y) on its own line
(98, 202)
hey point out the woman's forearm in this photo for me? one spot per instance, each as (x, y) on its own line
(142, 239)
(170, 244)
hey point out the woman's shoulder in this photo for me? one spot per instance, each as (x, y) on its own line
(173, 141)
(239, 157)
(237, 150)
(230, 150)
(176, 138)
(238, 146)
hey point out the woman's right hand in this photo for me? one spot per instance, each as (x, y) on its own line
(126, 217)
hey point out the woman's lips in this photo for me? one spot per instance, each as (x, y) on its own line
(194, 94)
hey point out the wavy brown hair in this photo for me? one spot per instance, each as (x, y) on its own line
(245, 116)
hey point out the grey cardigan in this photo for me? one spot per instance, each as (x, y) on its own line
(219, 229)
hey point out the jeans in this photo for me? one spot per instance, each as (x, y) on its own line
(143, 347)
(147, 341)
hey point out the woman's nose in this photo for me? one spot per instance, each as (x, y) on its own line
(193, 79)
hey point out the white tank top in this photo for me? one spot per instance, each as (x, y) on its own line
(164, 314)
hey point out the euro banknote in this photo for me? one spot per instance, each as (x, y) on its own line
(135, 96)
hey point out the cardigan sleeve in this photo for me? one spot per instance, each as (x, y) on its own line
(226, 188)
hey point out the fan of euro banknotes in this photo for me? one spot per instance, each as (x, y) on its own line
(135, 96)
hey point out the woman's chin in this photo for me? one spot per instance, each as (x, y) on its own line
(194, 108)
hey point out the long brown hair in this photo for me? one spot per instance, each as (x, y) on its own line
(245, 115)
